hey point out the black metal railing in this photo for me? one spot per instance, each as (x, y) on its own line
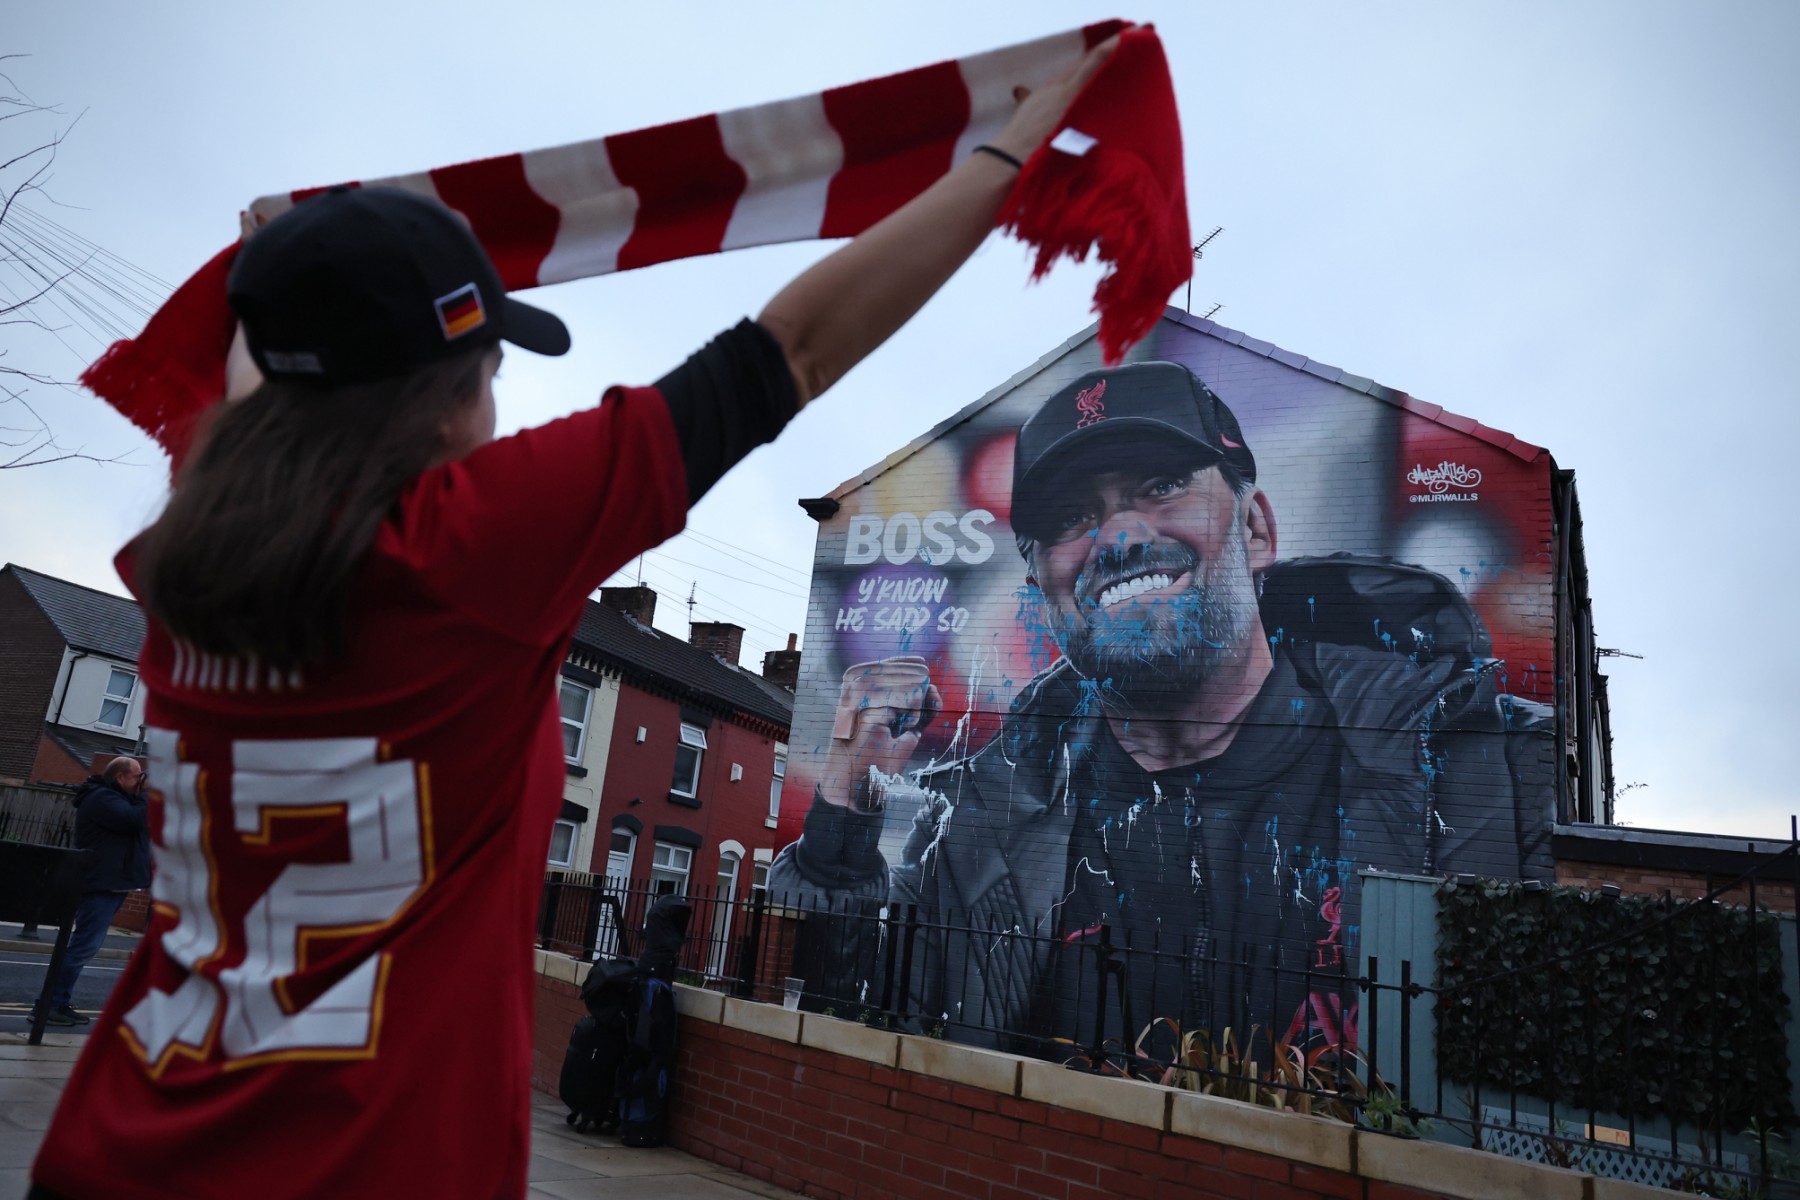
(37, 814)
(1361, 1042)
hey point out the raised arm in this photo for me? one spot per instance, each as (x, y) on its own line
(839, 310)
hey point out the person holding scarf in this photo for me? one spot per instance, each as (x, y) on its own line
(359, 602)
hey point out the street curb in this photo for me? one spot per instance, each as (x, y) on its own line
(46, 945)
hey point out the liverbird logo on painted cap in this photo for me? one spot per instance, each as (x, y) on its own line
(1090, 404)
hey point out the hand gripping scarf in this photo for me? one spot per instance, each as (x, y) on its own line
(823, 166)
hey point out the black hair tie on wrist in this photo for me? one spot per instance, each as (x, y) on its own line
(1000, 154)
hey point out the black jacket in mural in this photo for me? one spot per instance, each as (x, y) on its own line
(1382, 738)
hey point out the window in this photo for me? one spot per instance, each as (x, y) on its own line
(117, 701)
(759, 879)
(775, 782)
(619, 854)
(562, 843)
(669, 870)
(687, 761)
(723, 909)
(576, 700)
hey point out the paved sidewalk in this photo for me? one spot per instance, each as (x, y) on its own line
(564, 1164)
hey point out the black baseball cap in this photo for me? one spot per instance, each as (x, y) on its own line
(1161, 403)
(363, 283)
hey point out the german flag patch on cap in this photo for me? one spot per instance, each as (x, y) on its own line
(461, 311)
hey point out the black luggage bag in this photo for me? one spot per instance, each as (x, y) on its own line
(649, 1069)
(621, 1056)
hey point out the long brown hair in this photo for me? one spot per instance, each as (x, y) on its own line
(280, 500)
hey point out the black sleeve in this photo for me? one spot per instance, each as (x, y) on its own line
(840, 847)
(732, 396)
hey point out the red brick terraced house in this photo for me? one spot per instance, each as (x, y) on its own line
(676, 754)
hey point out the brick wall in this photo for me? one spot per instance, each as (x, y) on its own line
(558, 1008)
(30, 655)
(1774, 894)
(832, 1126)
(838, 1111)
(53, 764)
(134, 914)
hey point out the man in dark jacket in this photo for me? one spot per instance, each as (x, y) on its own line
(112, 820)
(1226, 741)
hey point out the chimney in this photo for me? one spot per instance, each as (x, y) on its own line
(717, 637)
(638, 603)
(783, 666)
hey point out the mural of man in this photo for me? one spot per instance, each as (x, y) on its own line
(1227, 738)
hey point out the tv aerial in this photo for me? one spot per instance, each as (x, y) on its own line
(1200, 253)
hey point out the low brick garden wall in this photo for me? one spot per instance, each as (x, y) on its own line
(838, 1111)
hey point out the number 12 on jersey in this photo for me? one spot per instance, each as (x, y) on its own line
(245, 1008)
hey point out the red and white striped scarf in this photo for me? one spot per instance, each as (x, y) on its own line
(822, 166)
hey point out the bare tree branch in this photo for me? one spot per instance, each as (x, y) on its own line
(26, 438)
(37, 446)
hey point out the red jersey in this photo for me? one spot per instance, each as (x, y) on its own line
(335, 994)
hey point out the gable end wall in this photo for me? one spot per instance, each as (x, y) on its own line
(31, 653)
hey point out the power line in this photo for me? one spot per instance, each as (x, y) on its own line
(726, 548)
(740, 616)
(89, 287)
(78, 268)
(734, 578)
(66, 285)
(159, 283)
(726, 601)
(746, 617)
(145, 297)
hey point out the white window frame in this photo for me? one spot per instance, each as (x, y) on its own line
(629, 854)
(662, 868)
(724, 908)
(569, 850)
(775, 784)
(580, 726)
(110, 696)
(692, 737)
(759, 878)
(618, 883)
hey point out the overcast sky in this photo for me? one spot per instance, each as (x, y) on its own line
(1575, 222)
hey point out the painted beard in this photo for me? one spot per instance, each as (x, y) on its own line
(1168, 643)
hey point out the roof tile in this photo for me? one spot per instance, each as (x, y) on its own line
(87, 618)
(626, 645)
(1424, 408)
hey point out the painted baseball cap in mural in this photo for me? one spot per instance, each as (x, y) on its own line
(1162, 403)
(359, 284)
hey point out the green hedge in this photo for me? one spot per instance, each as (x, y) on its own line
(1683, 1018)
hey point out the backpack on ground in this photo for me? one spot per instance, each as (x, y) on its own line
(590, 1074)
(586, 1083)
(648, 1073)
(649, 1069)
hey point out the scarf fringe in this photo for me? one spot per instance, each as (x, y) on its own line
(165, 379)
(1111, 204)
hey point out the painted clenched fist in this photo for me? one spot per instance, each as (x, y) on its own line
(881, 708)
